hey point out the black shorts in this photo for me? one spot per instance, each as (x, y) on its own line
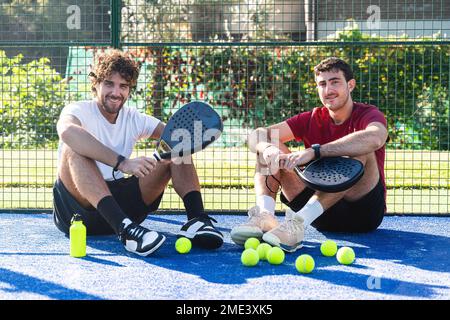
(125, 191)
(363, 215)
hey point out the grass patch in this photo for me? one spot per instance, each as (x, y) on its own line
(399, 201)
(418, 181)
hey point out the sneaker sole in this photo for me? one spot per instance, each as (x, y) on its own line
(239, 237)
(205, 240)
(151, 250)
(291, 248)
(274, 241)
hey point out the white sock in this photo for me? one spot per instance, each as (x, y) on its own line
(266, 203)
(310, 212)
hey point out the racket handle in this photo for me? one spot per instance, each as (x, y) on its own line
(156, 156)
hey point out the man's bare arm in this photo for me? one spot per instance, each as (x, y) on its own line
(357, 143)
(262, 138)
(82, 142)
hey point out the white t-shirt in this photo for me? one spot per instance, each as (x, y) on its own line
(130, 126)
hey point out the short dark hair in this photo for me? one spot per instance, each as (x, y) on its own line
(111, 61)
(334, 64)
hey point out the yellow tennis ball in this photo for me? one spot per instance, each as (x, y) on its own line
(304, 263)
(251, 243)
(345, 255)
(183, 245)
(328, 248)
(249, 257)
(262, 250)
(275, 256)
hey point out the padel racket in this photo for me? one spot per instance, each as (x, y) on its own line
(190, 129)
(331, 174)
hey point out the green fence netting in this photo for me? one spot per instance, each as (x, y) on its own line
(252, 60)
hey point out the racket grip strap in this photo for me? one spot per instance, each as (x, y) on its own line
(120, 159)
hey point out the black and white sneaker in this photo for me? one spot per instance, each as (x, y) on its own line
(202, 233)
(138, 239)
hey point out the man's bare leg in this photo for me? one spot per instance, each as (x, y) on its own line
(262, 216)
(82, 178)
(289, 235)
(199, 227)
(186, 184)
(368, 181)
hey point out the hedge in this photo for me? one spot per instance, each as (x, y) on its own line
(253, 85)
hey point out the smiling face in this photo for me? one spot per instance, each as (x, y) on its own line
(334, 90)
(112, 93)
(113, 78)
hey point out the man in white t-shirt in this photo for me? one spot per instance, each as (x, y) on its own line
(97, 138)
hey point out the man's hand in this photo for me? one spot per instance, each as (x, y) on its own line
(140, 166)
(291, 160)
(271, 157)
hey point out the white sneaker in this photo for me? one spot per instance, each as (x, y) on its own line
(202, 233)
(258, 223)
(288, 235)
(138, 239)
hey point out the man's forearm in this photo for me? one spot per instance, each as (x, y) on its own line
(354, 144)
(83, 143)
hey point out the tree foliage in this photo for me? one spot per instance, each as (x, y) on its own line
(31, 98)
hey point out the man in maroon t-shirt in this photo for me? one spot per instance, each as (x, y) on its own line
(340, 127)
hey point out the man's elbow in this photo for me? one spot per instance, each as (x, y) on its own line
(379, 141)
(378, 136)
(65, 131)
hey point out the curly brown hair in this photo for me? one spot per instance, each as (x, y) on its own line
(334, 64)
(111, 61)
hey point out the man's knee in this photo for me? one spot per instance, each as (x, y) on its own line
(162, 172)
(369, 179)
(72, 163)
(365, 158)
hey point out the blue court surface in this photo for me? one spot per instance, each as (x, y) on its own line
(406, 258)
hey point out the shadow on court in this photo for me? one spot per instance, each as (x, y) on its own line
(17, 283)
(392, 262)
(414, 249)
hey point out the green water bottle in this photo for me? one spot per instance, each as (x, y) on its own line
(77, 237)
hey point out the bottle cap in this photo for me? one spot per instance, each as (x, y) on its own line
(76, 217)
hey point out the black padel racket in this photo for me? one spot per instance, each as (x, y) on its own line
(190, 129)
(331, 174)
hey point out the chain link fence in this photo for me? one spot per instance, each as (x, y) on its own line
(252, 60)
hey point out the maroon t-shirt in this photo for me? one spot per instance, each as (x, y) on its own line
(316, 126)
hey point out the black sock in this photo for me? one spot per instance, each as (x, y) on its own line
(299, 201)
(194, 204)
(111, 212)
